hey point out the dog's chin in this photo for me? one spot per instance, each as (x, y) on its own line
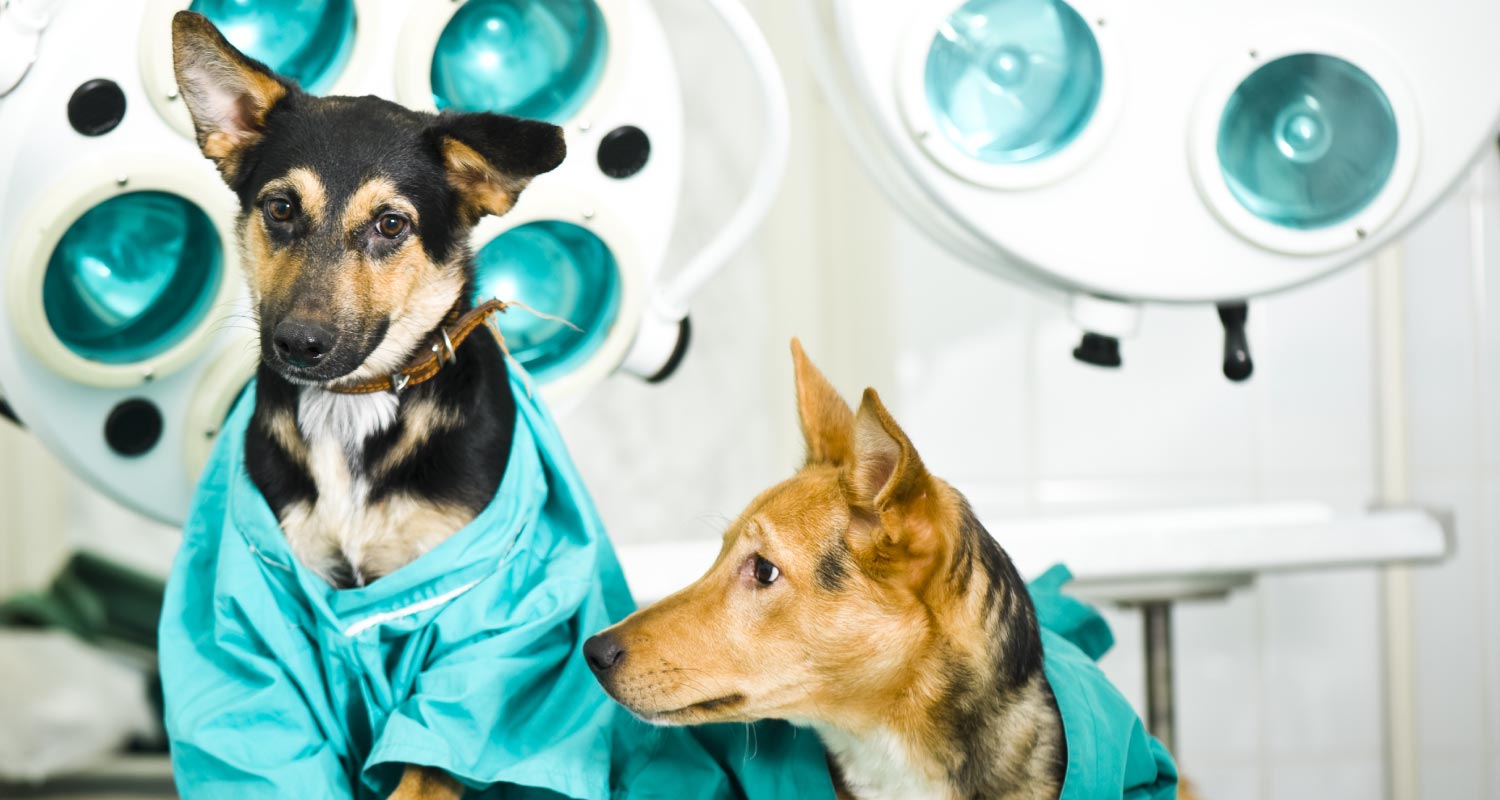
(727, 708)
(330, 371)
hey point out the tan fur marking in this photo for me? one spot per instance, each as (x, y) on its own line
(421, 419)
(404, 528)
(219, 145)
(427, 783)
(373, 196)
(226, 95)
(272, 271)
(282, 427)
(305, 184)
(415, 294)
(484, 189)
(345, 527)
(256, 252)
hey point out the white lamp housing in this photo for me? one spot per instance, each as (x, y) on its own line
(125, 335)
(1175, 151)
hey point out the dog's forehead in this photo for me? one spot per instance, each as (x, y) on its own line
(348, 141)
(801, 511)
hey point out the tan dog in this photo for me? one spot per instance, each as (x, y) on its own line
(863, 598)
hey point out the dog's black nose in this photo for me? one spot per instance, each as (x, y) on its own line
(302, 344)
(603, 653)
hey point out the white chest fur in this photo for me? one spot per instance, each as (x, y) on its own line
(344, 419)
(877, 766)
(336, 529)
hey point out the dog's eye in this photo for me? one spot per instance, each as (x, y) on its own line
(278, 208)
(766, 573)
(391, 226)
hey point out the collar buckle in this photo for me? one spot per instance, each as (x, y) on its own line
(447, 347)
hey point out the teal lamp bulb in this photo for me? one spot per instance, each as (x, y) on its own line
(307, 40)
(540, 59)
(1013, 81)
(561, 270)
(132, 277)
(1307, 141)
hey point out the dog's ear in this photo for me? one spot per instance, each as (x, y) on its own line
(887, 470)
(888, 478)
(491, 157)
(227, 93)
(827, 422)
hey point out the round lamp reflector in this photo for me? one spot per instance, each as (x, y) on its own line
(530, 58)
(1013, 81)
(1307, 141)
(308, 40)
(565, 272)
(132, 277)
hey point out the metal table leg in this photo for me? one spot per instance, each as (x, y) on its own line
(1161, 718)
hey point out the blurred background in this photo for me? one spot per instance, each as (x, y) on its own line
(1283, 684)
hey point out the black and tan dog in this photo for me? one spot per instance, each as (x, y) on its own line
(861, 597)
(354, 223)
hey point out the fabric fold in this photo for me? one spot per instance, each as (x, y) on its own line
(467, 659)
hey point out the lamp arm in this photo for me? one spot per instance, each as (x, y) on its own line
(21, 25)
(671, 302)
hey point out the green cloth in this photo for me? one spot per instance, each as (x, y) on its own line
(1110, 754)
(466, 659)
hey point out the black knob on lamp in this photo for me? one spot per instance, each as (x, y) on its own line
(1098, 349)
(1237, 363)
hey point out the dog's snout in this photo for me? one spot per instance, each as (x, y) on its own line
(603, 652)
(302, 344)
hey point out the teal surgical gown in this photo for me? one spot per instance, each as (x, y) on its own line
(1110, 755)
(467, 659)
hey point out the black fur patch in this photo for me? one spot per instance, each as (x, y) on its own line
(462, 466)
(1015, 615)
(515, 146)
(976, 702)
(833, 567)
(280, 478)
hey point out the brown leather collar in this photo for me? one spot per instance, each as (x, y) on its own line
(429, 361)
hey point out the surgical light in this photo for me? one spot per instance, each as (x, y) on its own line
(308, 40)
(125, 330)
(1307, 141)
(1116, 154)
(558, 266)
(1013, 80)
(530, 58)
(119, 298)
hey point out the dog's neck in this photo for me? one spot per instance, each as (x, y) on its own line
(1007, 748)
(969, 745)
(881, 764)
(349, 420)
(973, 723)
(363, 484)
